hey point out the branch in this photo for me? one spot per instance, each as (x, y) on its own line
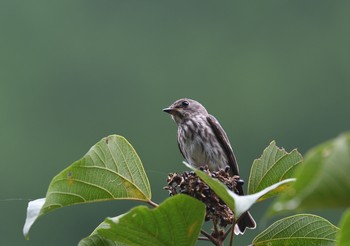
(228, 232)
(210, 237)
(203, 238)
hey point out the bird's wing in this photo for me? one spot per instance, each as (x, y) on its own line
(178, 145)
(246, 220)
(225, 143)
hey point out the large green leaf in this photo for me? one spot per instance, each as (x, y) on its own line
(343, 236)
(323, 179)
(238, 204)
(273, 166)
(97, 240)
(177, 221)
(298, 230)
(110, 170)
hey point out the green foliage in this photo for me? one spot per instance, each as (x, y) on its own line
(273, 166)
(176, 221)
(323, 180)
(343, 236)
(238, 204)
(97, 240)
(112, 170)
(301, 229)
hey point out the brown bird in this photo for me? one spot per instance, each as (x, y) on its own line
(202, 141)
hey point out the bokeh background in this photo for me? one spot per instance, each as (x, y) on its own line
(72, 72)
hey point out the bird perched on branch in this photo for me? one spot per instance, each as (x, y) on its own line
(202, 141)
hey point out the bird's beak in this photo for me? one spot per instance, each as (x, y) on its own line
(168, 110)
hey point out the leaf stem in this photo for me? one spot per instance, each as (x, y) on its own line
(153, 204)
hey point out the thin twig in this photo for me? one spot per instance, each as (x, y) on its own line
(203, 238)
(216, 229)
(210, 237)
(227, 232)
(232, 235)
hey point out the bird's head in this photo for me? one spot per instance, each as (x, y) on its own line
(184, 109)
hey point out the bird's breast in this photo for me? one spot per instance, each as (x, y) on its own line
(200, 146)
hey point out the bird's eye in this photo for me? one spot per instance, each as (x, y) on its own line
(185, 103)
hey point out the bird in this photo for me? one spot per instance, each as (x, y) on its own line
(202, 141)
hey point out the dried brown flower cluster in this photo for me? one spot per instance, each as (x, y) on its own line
(189, 183)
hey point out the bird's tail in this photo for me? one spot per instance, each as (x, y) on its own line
(245, 221)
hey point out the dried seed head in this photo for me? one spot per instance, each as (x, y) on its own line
(189, 183)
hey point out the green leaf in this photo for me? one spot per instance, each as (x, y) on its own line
(323, 179)
(343, 236)
(273, 166)
(110, 170)
(238, 204)
(177, 221)
(97, 240)
(298, 230)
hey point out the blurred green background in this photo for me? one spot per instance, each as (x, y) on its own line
(72, 72)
